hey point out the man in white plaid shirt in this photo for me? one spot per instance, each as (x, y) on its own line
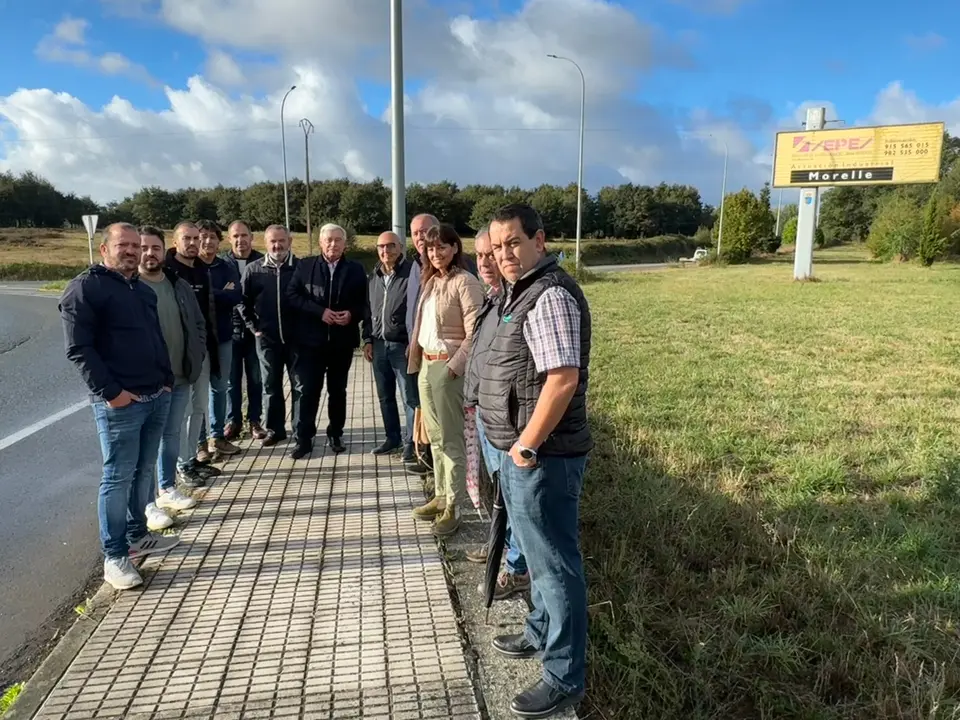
(532, 397)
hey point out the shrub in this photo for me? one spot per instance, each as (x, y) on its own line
(771, 244)
(584, 275)
(896, 229)
(789, 233)
(703, 237)
(747, 222)
(819, 239)
(933, 242)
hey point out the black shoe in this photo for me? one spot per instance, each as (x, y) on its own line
(514, 646)
(206, 470)
(301, 451)
(418, 468)
(540, 700)
(336, 444)
(191, 479)
(385, 448)
(409, 457)
(273, 438)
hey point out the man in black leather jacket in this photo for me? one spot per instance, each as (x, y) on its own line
(265, 313)
(328, 294)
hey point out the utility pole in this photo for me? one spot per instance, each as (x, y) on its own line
(307, 128)
(399, 211)
(283, 145)
(779, 209)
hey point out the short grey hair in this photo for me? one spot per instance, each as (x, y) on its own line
(433, 218)
(282, 228)
(484, 230)
(330, 228)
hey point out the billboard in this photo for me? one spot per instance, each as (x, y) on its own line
(885, 155)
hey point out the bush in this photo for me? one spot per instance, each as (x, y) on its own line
(789, 233)
(819, 239)
(771, 244)
(747, 222)
(584, 275)
(933, 242)
(703, 237)
(895, 232)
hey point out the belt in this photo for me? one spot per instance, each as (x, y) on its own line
(438, 356)
(144, 398)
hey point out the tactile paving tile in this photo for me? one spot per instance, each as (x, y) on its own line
(299, 590)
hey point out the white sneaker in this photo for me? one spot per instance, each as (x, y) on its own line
(153, 543)
(175, 500)
(121, 574)
(157, 519)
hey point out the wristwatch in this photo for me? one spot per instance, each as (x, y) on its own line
(527, 453)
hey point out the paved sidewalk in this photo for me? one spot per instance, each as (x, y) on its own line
(299, 590)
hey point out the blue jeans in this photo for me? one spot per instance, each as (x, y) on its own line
(244, 360)
(170, 441)
(390, 372)
(129, 443)
(218, 391)
(195, 417)
(544, 505)
(492, 458)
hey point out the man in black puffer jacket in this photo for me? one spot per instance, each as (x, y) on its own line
(184, 260)
(329, 296)
(245, 360)
(265, 313)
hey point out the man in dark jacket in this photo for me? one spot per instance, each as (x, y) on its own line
(385, 343)
(266, 315)
(245, 360)
(184, 261)
(225, 285)
(328, 292)
(112, 334)
(532, 398)
(185, 334)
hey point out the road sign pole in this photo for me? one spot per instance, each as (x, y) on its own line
(807, 215)
(90, 223)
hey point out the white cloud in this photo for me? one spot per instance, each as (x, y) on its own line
(927, 41)
(68, 44)
(895, 105)
(487, 106)
(224, 70)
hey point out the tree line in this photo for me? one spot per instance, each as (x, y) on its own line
(624, 211)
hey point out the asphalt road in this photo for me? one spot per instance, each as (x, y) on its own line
(49, 547)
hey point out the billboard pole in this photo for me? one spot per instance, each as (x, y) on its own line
(807, 215)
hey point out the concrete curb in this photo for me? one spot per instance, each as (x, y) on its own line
(42, 682)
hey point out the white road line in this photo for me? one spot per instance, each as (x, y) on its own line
(41, 424)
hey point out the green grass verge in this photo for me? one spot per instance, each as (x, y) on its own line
(38, 271)
(773, 507)
(10, 696)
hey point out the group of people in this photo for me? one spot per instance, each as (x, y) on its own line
(164, 337)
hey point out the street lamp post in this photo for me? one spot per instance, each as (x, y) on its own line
(399, 202)
(723, 193)
(283, 145)
(583, 103)
(307, 128)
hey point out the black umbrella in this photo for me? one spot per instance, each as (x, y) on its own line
(498, 534)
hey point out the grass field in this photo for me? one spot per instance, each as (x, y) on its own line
(773, 511)
(43, 254)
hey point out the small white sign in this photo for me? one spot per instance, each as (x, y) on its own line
(90, 223)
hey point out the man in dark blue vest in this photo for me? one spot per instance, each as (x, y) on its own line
(532, 398)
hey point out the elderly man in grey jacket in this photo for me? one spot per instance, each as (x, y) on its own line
(184, 331)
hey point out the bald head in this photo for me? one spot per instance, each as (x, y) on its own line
(388, 250)
(418, 229)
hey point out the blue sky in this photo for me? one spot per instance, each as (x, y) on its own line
(743, 64)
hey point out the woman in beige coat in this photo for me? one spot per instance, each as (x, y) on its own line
(450, 299)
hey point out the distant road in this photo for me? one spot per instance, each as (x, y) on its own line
(637, 267)
(49, 471)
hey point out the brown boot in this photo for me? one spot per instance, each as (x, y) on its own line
(447, 523)
(231, 431)
(257, 431)
(223, 447)
(203, 454)
(429, 512)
